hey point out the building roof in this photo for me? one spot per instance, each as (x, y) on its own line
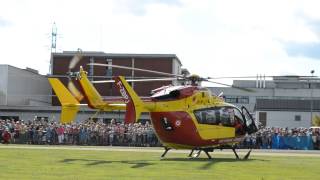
(103, 54)
(27, 69)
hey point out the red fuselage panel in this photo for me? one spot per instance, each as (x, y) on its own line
(183, 129)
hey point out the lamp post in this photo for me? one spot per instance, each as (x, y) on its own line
(311, 100)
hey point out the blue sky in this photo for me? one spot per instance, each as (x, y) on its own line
(211, 37)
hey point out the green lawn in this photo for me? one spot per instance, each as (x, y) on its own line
(90, 164)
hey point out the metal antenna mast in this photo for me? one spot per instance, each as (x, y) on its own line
(54, 34)
(54, 38)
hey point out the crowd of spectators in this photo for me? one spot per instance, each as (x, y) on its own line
(284, 138)
(114, 133)
(85, 133)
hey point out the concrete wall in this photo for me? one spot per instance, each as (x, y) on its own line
(3, 84)
(27, 88)
(287, 119)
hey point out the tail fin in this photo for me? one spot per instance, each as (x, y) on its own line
(134, 104)
(70, 106)
(92, 95)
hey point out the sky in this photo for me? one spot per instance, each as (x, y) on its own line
(211, 37)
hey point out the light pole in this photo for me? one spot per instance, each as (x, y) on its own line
(311, 100)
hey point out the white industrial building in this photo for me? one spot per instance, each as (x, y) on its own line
(23, 87)
(290, 101)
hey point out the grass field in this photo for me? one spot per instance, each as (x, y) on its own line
(29, 163)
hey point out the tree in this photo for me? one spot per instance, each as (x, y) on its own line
(316, 120)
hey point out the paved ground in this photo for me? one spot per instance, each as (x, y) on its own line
(255, 152)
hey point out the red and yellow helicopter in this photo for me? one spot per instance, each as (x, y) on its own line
(183, 117)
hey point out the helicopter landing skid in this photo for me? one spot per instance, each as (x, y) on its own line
(208, 154)
(190, 155)
(235, 153)
(247, 155)
(197, 154)
(237, 156)
(166, 149)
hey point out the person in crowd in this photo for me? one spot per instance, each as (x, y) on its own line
(6, 136)
(60, 133)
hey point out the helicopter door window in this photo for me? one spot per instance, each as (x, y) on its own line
(211, 117)
(239, 123)
(238, 117)
(208, 116)
(223, 116)
(228, 116)
(166, 124)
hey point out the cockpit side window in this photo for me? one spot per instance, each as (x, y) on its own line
(225, 116)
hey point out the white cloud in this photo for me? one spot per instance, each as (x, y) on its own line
(140, 7)
(211, 38)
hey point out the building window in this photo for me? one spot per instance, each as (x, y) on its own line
(237, 99)
(297, 117)
(263, 118)
(231, 99)
(109, 69)
(243, 100)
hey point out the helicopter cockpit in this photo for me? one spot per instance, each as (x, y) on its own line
(225, 116)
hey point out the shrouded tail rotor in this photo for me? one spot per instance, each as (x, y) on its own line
(72, 88)
(75, 60)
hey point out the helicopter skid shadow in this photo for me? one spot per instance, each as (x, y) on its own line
(92, 162)
(141, 164)
(211, 162)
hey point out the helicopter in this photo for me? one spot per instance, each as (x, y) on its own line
(187, 116)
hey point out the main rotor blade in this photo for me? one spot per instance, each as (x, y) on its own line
(135, 80)
(135, 69)
(232, 86)
(75, 60)
(57, 76)
(248, 77)
(74, 91)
